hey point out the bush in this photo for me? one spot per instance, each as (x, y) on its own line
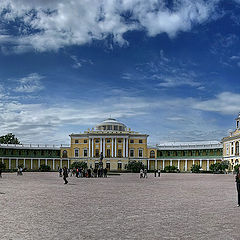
(44, 168)
(171, 169)
(81, 164)
(135, 166)
(219, 167)
(195, 168)
(236, 167)
(2, 166)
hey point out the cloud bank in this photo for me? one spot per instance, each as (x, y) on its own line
(49, 25)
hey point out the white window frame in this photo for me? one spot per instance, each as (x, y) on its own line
(132, 149)
(76, 149)
(140, 149)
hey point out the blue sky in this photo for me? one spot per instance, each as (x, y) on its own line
(166, 68)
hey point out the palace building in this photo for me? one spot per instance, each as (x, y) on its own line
(231, 145)
(119, 145)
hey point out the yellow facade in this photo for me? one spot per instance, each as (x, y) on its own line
(231, 145)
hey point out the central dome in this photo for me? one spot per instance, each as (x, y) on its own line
(111, 124)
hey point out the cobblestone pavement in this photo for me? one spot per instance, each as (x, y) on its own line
(175, 206)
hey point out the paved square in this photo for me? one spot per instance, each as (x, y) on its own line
(175, 206)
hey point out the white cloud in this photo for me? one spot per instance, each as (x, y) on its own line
(50, 25)
(29, 84)
(224, 103)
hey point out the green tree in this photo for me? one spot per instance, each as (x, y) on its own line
(236, 167)
(44, 168)
(79, 165)
(135, 166)
(195, 168)
(9, 139)
(219, 167)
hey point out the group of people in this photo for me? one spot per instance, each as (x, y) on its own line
(81, 172)
(19, 171)
(143, 173)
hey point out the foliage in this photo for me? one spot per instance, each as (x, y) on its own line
(219, 167)
(2, 166)
(135, 166)
(9, 139)
(79, 165)
(171, 169)
(195, 168)
(44, 168)
(236, 167)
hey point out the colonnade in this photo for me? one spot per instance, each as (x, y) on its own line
(185, 163)
(114, 146)
(46, 161)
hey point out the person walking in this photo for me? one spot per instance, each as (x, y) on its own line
(65, 175)
(141, 173)
(238, 185)
(155, 173)
(60, 172)
(145, 173)
(159, 172)
(105, 172)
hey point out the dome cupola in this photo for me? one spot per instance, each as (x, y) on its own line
(110, 124)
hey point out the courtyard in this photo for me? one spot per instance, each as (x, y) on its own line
(175, 206)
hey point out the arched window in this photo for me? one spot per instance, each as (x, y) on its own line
(152, 154)
(64, 154)
(237, 148)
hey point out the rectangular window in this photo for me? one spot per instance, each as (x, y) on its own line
(120, 128)
(131, 141)
(108, 166)
(76, 152)
(131, 152)
(140, 153)
(119, 153)
(108, 152)
(115, 127)
(97, 141)
(119, 166)
(85, 140)
(108, 140)
(119, 140)
(140, 141)
(109, 127)
(76, 141)
(85, 153)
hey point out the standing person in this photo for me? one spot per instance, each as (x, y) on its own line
(60, 172)
(145, 173)
(155, 172)
(105, 172)
(77, 172)
(141, 173)
(21, 171)
(0, 172)
(65, 175)
(238, 185)
(159, 172)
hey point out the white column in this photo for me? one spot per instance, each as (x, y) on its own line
(127, 148)
(155, 164)
(92, 146)
(178, 164)
(24, 163)
(100, 145)
(17, 163)
(193, 162)
(2, 161)
(163, 166)
(148, 164)
(124, 142)
(53, 164)
(170, 162)
(10, 165)
(186, 165)
(200, 163)
(68, 163)
(115, 147)
(104, 147)
(61, 163)
(112, 146)
(207, 165)
(39, 163)
(45, 161)
(215, 161)
(31, 163)
(89, 147)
